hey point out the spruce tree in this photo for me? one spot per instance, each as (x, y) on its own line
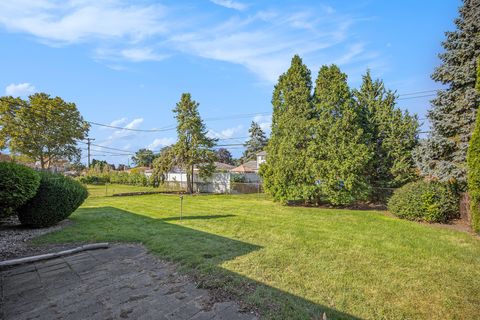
(256, 143)
(390, 133)
(443, 155)
(285, 175)
(193, 148)
(337, 154)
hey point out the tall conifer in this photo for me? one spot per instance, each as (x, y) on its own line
(443, 155)
(285, 175)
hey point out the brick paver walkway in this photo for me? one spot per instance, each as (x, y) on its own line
(122, 282)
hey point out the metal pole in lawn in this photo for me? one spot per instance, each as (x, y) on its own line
(181, 207)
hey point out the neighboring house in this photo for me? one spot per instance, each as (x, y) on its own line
(250, 168)
(219, 182)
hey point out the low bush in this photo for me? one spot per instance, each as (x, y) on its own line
(425, 201)
(17, 185)
(94, 179)
(57, 197)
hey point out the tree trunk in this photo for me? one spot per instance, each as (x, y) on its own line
(192, 179)
(189, 180)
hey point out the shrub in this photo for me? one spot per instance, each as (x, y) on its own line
(425, 201)
(56, 199)
(17, 185)
(94, 179)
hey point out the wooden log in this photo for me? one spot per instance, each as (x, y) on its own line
(52, 255)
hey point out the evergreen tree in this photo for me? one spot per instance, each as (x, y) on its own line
(337, 154)
(443, 154)
(284, 175)
(257, 142)
(473, 161)
(224, 156)
(193, 148)
(390, 133)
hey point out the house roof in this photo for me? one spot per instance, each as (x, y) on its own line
(249, 166)
(262, 153)
(219, 166)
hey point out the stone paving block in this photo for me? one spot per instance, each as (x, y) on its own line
(122, 282)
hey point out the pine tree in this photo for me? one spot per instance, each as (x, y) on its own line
(390, 133)
(193, 148)
(443, 155)
(285, 175)
(337, 154)
(257, 142)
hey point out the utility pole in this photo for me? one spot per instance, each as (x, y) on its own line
(89, 140)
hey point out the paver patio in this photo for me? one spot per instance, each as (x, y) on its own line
(121, 282)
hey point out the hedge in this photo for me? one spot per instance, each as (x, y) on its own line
(425, 201)
(136, 179)
(18, 184)
(57, 197)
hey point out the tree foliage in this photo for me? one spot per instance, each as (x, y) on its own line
(389, 133)
(337, 154)
(443, 155)
(143, 158)
(335, 145)
(256, 143)
(473, 161)
(164, 163)
(285, 176)
(43, 128)
(193, 148)
(224, 156)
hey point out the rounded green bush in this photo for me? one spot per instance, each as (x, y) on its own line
(425, 201)
(57, 197)
(17, 185)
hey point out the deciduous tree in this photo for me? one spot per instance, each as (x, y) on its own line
(44, 128)
(143, 158)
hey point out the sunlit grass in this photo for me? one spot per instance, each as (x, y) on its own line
(302, 261)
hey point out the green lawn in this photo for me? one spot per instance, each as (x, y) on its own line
(293, 262)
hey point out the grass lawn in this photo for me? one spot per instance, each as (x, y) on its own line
(293, 262)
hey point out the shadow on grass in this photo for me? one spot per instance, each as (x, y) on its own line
(207, 217)
(199, 253)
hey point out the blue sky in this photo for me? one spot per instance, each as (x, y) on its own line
(127, 63)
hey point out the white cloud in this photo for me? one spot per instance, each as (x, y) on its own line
(226, 133)
(230, 4)
(122, 134)
(134, 124)
(118, 122)
(142, 54)
(75, 21)
(160, 142)
(264, 121)
(19, 89)
(263, 41)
